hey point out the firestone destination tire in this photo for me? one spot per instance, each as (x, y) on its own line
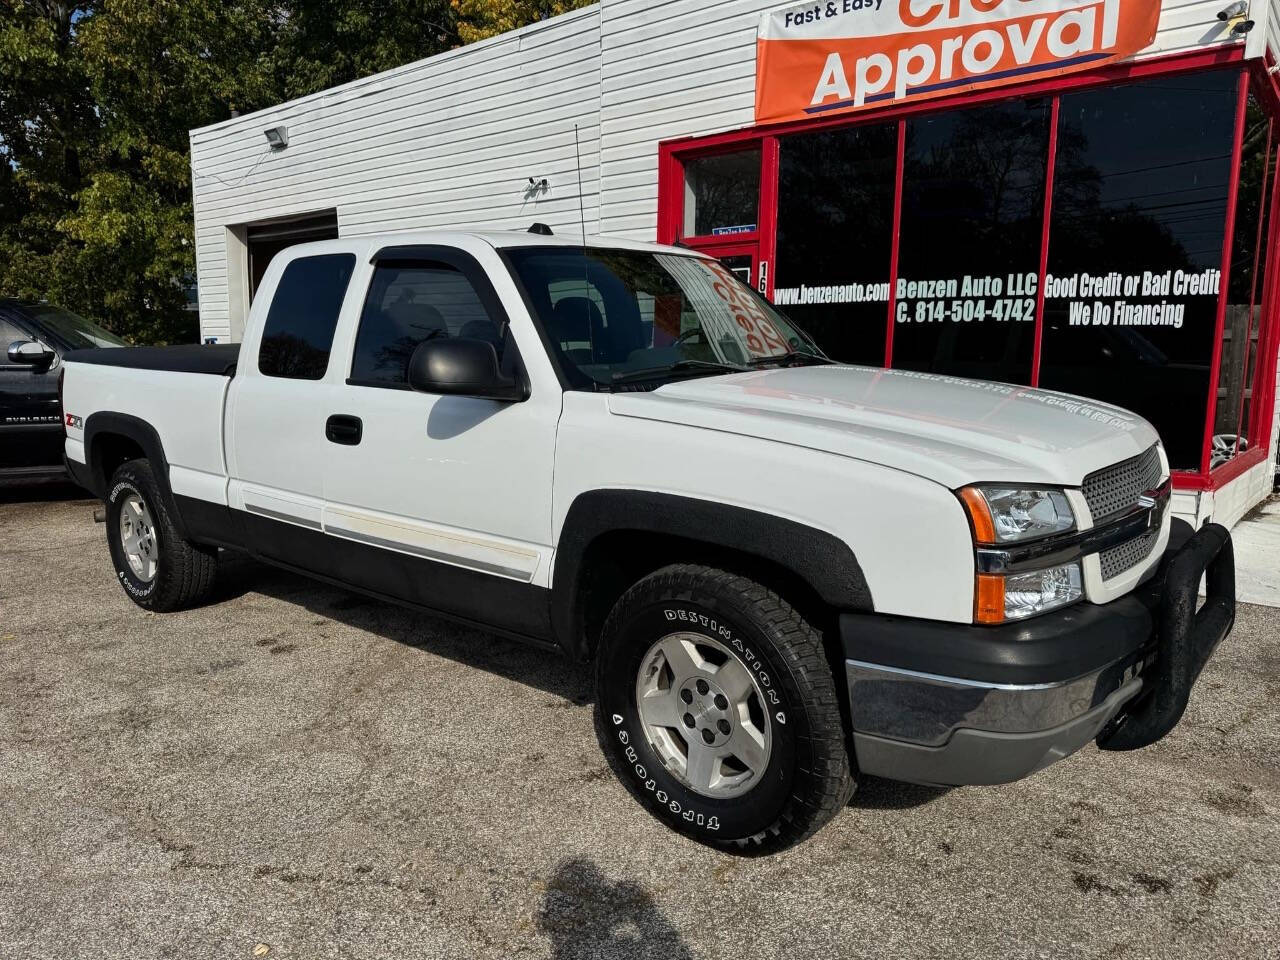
(157, 568)
(717, 709)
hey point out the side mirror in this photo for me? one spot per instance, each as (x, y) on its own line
(460, 367)
(30, 353)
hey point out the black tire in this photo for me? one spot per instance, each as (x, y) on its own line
(807, 779)
(185, 572)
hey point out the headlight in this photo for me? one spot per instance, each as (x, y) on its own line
(1003, 515)
(1002, 598)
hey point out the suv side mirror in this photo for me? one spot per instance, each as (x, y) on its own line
(461, 367)
(30, 353)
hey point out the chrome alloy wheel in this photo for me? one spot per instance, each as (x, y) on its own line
(704, 714)
(138, 538)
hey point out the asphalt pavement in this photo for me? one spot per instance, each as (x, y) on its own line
(295, 771)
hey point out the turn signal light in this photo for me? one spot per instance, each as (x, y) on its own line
(984, 528)
(988, 599)
(1005, 598)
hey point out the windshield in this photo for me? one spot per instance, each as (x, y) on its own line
(78, 332)
(635, 317)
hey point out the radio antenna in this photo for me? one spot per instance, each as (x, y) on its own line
(586, 266)
(582, 207)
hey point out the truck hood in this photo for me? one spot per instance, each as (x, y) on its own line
(947, 429)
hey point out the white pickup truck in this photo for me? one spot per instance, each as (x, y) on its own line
(788, 572)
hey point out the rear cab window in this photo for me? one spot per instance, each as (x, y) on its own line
(297, 336)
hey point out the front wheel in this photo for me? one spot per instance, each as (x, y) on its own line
(718, 710)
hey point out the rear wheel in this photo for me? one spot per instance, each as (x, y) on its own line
(158, 569)
(718, 710)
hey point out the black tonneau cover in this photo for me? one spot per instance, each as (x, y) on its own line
(215, 358)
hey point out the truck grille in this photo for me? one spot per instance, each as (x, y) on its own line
(1117, 488)
(1125, 557)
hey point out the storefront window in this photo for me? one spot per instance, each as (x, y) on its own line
(1126, 309)
(1135, 257)
(835, 237)
(1249, 411)
(722, 194)
(1244, 291)
(972, 226)
(740, 265)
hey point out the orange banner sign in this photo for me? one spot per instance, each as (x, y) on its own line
(838, 56)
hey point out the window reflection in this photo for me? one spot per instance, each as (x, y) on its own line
(409, 303)
(298, 332)
(972, 224)
(722, 194)
(1232, 425)
(1134, 282)
(1139, 215)
(835, 237)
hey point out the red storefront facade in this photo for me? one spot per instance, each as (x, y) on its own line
(1110, 233)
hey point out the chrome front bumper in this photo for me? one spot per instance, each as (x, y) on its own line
(944, 730)
(928, 709)
(954, 704)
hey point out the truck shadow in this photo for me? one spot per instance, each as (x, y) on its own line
(50, 492)
(545, 670)
(585, 915)
(873, 793)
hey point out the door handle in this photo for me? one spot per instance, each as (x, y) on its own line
(345, 429)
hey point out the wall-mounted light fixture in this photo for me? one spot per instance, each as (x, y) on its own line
(1237, 16)
(278, 137)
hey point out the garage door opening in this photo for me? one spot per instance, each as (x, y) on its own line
(267, 239)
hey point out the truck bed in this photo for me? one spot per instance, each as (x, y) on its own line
(217, 359)
(177, 395)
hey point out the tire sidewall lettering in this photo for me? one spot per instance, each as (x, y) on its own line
(722, 631)
(134, 587)
(687, 809)
(710, 822)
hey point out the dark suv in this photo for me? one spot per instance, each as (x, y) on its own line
(33, 339)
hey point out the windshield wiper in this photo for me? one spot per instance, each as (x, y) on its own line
(680, 366)
(793, 358)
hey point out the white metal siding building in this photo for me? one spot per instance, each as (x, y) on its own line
(499, 134)
(452, 140)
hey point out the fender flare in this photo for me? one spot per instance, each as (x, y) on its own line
(145, 436)
(825, 562)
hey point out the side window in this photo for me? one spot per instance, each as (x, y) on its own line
(304, 312)
(410, 302)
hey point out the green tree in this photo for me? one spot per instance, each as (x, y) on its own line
(322, 44)
(47, 123)
(96, 101)
(478, 19)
